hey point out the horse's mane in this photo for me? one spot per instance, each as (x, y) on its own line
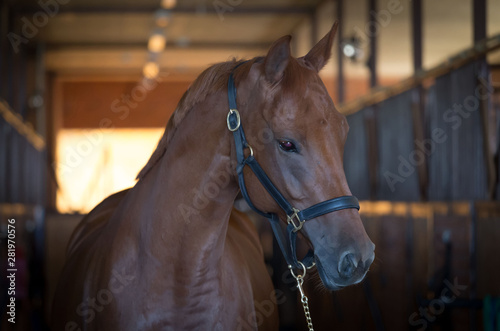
(209, 81)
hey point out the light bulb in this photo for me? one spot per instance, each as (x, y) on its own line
(151, 70)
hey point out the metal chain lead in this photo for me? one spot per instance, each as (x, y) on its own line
(305, 304)
(303, 297)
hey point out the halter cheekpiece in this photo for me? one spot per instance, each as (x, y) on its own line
(295, 217)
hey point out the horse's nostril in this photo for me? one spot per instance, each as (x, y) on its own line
(347, 266)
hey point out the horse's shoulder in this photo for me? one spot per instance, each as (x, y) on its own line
(94, 220)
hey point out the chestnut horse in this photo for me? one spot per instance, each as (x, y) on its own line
(171, 253)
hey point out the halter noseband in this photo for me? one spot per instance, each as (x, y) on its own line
(295, 218)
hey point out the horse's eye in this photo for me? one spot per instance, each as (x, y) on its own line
(287, 146)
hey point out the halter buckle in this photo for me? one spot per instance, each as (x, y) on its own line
(233, 122)
(290, 220)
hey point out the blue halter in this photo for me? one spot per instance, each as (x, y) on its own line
(295, 218)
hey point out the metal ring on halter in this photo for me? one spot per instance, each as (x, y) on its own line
(297, 277)
(251, 149)
(311, 266)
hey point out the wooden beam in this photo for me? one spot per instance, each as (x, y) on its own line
(173, 45)
(479, 19)
(5, 48)
(371, 113)
(54, 124)
(370, 121)
(418, 108)
(113, 60)
(25, 129)
(40, 90)
(489, 138)
(418, 97)
(377, 95)
(340, 54)
(417, 34)
(372, 60)
(231, 10)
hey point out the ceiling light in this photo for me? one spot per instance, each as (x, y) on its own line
(351, 48)
(157, 42)
(168, 4)
(151, 70)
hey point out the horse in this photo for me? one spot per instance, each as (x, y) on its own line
(171, 253)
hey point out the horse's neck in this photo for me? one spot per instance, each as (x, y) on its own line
(181, 208)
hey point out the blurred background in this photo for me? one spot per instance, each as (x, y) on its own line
(87, 87)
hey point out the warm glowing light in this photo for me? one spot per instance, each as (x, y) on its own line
(157, 42)
(151, 70)
(92, 164)
(168, 4)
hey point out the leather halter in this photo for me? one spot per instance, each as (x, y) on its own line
(295, 217)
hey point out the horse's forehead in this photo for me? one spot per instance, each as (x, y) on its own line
(312, 99)
(309, 114)
(318, 96)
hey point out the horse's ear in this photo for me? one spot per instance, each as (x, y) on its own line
(277, 59)
(319, 55)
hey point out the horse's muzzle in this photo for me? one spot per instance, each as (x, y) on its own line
(347, 271)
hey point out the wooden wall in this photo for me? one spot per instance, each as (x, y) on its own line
(23, 164)
(410, 270)
(438, 147)
(122, 104)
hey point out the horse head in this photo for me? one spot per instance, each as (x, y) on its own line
(298, 138)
